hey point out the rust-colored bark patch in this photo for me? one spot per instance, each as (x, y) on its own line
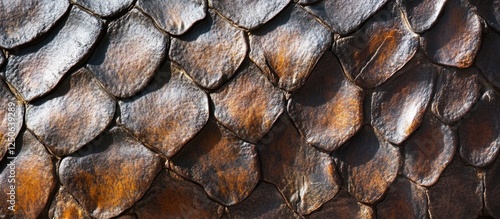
(33, 180)
(285, 56)
(379, 49)
(328, 108)
(226, 166)
(111, 175)
(248, 104)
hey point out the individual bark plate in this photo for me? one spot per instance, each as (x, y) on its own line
(105, 8)
(264, 202)
(421, 14)
(65, 205)
(455, 38)
(458, 193)
(428, 151)
(457, 90)
(249, 14)
(404, 198)
(285, 56)
(226, 166)
(398, 107)
(343, 205)
(177, 110)
(130, 53)
(102, 178)
(170, 196)
(328, 109)
(490, 11)
(211, 51)
(27, 179)
(248, 104)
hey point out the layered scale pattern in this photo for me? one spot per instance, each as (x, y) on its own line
(249, 109)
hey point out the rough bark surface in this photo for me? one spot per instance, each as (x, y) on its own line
(133, 109)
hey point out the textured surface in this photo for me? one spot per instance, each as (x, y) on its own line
(421, 14)
(133, 109)
(458, 45)
(459, 193)
(11, 118)
(457, 91)
(126, 59)
(398, 106)
(487, 61)
(328, 108)
(67, 131)
(369, 164)
(292, 165)
(489, 10)
(428, 151)
(32, 188)
(108, 191)
(173, 197)
(174, 17)
(404, 198)
(374, 53)
(224, 165)
(344, 16)
(480, 131)
(104, 8)
(65, 205)
(344, 205)
(249, 104)
(35, 70)
(249, 14)
(264, 202)
(287, 57)
(18, 29)
(176, 111)
(210, 53)
(492, 190)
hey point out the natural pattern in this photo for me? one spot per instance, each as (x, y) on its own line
(35, 70)
(67, 131)
(249, 109)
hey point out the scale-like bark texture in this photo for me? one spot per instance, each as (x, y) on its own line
(132, 109)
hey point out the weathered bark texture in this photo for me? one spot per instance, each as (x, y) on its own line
(249, 109)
